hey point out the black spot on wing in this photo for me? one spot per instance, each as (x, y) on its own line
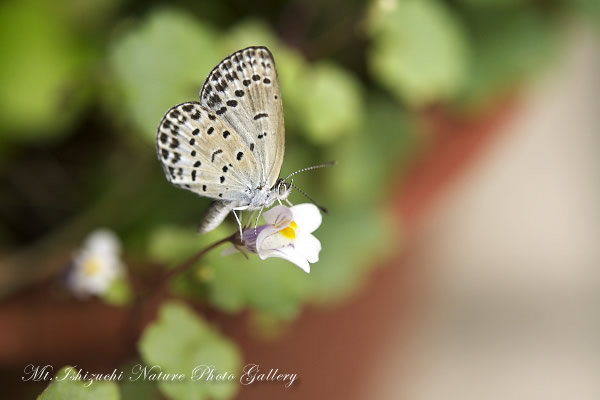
(260, 115)
(214, 154)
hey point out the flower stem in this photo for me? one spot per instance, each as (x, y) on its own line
(145, 306)
(171, 273)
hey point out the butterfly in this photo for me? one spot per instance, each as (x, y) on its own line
(229, 146)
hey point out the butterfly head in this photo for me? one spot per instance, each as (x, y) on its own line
(282, 189)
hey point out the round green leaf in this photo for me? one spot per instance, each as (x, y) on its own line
(331, 104)
(78, 389)
(419, 50)
(160, 63)
(42, 73)
(275, 286)
(180, 341)
(508, 47)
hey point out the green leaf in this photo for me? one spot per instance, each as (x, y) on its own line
(331, 105)
(419, 50)
(495, 3)
(178, 342)
(508, 47)
(119, 293)
(387, 139)
(65, 388)
(588, 9)
(162, 62)
(354, 239)
(43, 73)
(139, 390)
(172, 244)
(275, 286)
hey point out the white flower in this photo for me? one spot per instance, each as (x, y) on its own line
(96, 265)
(287, 234)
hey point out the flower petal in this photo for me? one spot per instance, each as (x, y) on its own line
(266, 232)
(103, 241)
(288, 253)
(307, 216)
(278, 215)
(274, 242)
(309, 246)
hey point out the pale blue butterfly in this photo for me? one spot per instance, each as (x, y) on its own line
(230, 145)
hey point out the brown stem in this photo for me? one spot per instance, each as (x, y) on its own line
(173, 272)
(145, 306)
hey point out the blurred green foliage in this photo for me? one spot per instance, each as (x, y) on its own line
(419, 50)
(169, 49)
(178, 342)
(85, 84)
(509, 46)
(63, 387)
(44, 73)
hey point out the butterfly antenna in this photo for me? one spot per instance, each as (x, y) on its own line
(309, 198)
(327, 164)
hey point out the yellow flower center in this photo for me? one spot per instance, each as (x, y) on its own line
(290, 231)
(91, 267)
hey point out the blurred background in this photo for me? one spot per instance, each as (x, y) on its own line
(460, 257)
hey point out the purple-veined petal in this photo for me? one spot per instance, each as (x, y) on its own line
(267, 232)
(279, 216)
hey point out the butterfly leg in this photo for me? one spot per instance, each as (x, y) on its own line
(288, 202)
(257, 217)
(239, 222)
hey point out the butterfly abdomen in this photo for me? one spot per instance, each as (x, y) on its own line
(215, 214)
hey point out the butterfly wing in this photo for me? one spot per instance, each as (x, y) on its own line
(200, 152)
(243, 90)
